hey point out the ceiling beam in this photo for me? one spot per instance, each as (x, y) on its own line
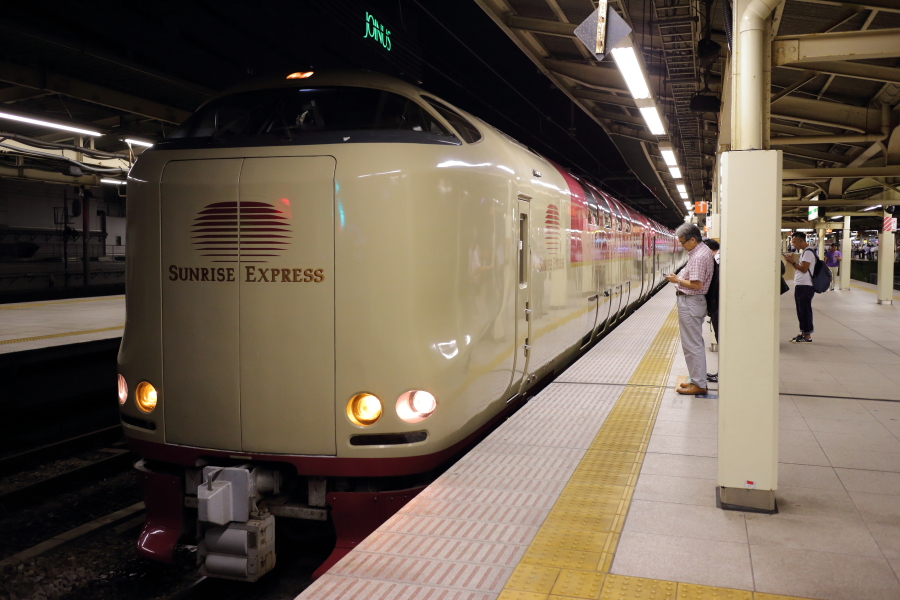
(18, 93)
(890, 171)
(816, 155)
(89, 92)
(851, 69)
(604, 98)
(880, 5)
(844, 116)
(540, 26)
(838, 45)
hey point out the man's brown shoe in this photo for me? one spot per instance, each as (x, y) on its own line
(686, 384)
(691, 390)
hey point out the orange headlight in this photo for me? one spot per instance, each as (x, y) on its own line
(145, 397)
(364, 409)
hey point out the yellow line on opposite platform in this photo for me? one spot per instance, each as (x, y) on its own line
(59, 335)
(571, 555)
(859, 287)
(35, 305)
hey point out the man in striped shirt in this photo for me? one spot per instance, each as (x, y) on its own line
(691, 286)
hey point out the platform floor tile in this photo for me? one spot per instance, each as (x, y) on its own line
(33, 325)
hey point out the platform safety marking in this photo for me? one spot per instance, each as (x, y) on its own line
(36, 305)
(59, 335)
(572, 552)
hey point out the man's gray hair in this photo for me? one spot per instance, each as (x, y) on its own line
(687, 231)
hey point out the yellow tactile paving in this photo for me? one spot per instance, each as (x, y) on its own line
(578, 584)
(40, 304)
(580, 534)
(619, 587)
(689, 591)
(572, 553)
(532, 578)
(59, 335)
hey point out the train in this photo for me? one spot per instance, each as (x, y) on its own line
(337, 284)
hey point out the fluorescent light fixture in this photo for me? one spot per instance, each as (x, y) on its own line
(138, 143)
(669, 157)
(681, 188)
(652, 118)
(785, 230)
(4, 115)
(837, 217)
(113, 181)
(676, 172)
(631, 70)
(687, 205)
(805, 230)
(872, 208)
(684, 195)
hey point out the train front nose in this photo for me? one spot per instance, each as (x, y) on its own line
(248, 304)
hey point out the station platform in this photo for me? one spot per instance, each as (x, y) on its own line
(603, 485)
(37, 325)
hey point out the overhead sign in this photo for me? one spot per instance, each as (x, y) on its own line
(377, 32)
(602, 31)
(701, 207)
(890, 224)
(812, 213)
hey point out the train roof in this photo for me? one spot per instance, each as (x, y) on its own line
(326, 77)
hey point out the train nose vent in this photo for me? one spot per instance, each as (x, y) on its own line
(247, 232)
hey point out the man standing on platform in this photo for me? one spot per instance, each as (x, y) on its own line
(691, 286)
(803, 286)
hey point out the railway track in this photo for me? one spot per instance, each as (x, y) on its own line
(110, 456)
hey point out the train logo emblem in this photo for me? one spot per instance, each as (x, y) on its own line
(552, 230)
(246, 232)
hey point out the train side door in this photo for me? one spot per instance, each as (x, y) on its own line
(523, 293)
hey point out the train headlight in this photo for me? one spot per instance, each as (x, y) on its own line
(364, 409)
(145, 397)
(123, 390)
(415, 406)
(300, 75)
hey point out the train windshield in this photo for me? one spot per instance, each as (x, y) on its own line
(293, 114)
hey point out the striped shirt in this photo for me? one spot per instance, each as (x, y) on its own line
(699, 268)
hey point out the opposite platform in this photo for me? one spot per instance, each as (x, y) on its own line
(36, 325)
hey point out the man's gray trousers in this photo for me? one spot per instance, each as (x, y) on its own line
(691, 314)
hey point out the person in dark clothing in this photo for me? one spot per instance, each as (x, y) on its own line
(803, 286)
(714, 312)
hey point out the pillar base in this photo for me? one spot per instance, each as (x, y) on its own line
(885, 302)
(757, 501)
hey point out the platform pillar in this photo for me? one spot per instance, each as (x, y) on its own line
(749, 293)
(886, 266)
(846, 255)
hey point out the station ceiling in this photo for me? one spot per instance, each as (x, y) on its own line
(137, 70)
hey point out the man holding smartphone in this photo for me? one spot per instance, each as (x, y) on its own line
(803, 286)
(691, 287)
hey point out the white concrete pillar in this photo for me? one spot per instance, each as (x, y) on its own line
(846, 258)
(886, 266)
(749, 292)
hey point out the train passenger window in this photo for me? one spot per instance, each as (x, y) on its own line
(292, 113)
(593, 206)
(463, 127)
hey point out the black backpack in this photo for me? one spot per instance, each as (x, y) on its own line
(712, 294)
(821, 275)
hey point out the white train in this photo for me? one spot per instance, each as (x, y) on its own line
(336, 284)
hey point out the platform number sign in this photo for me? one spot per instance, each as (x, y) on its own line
(377, 31)
(890, 224)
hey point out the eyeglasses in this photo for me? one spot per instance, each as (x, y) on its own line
(683, 242)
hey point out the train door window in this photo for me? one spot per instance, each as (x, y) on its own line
(606, 211)
(522, 250)
(466, 130)
(593, 206)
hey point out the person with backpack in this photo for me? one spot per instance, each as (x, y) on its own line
(691, 286)
(712, 298)
(803, 286)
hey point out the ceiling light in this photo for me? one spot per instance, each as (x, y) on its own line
(669, 157)
(652, 119)
(687, 205)
(684, 195)
(681, 188)
(837, 217)
(300, 75)
(676, 172)
(631, 70)
(113, 181)
(138, 143)
(871, 208)
(4, 115)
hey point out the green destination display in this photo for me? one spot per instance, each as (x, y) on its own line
(377, 32)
